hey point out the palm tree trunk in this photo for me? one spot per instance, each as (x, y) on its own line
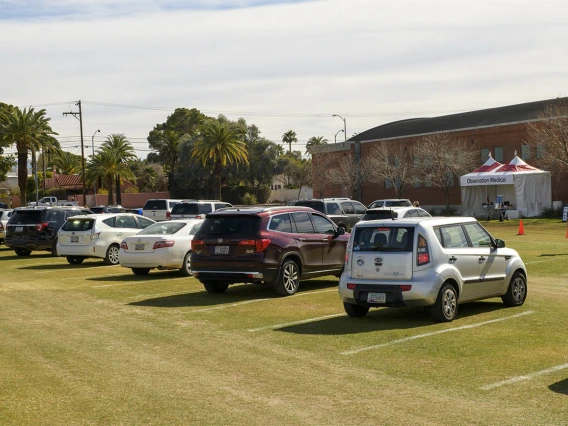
(218, 170)
(118, 197)
(110, 200)
(23, 174)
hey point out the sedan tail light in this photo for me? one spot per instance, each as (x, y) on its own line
(123, 245)
(163, 243)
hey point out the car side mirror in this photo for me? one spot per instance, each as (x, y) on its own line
(499, 243)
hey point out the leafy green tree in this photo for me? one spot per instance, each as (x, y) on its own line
(315, 141)
(169, 150)
(221, 143)
(191, 179)
(124, 154)
(6, 163)
(289, 137)
(29, 130)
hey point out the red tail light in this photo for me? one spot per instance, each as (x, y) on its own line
(259, 245)
(163, 243)
(168, 215)
(195, 243)
(123, 245)
(199, 216)
(422, 254)
(405, 287)
(42, 226)
(351, 286)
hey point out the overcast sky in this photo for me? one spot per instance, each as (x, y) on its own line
(282, 65)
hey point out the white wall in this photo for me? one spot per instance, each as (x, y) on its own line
(285, 195)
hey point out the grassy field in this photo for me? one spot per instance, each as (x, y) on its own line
(95, 344)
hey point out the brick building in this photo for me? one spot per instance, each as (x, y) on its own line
(501, 131)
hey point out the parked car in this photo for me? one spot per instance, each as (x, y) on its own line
(108, 209)
(428, 262)
(163, 245)
(196, 209)
(52, 201)
(391, 202)
(394, 213)
(98, 235)
(275, 246)
(5, 215)
(35, 228)
(159, 208)
(3, 205)
(343, 211)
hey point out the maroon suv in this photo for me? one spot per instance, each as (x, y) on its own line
(277, 246)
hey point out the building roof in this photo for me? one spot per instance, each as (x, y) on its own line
(69, 181)
(466, 120)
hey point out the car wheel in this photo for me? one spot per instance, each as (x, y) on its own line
(141, 271)
(517, 291)
(72, 260)
(215, 286)
(355, 311)
(446, 307)
(54, 249)
(111, 257)
(288, 280)
(22, 252)
(186, 267)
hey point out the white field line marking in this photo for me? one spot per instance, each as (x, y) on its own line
(296, 322)
(526, 377)
(420, 336)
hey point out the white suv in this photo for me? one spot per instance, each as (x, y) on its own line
(428, 262)
(97, 235)
(196, 209)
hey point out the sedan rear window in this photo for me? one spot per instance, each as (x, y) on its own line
(230, 227)
(384, 238)
(155, 205)
(78, 225)
(162, 228)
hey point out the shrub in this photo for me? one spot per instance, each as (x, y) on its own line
(552, 213)
(248, 199)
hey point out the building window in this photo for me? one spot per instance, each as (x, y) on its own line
(540, 151)
(484, 155)
(498, 154)
(525, 152)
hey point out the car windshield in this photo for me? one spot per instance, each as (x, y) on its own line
(162, 228)
(78, 224)
(230, 227)
(383, 238)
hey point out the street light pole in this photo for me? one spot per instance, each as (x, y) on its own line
(95, 183)
(344, 124)
(338, 133)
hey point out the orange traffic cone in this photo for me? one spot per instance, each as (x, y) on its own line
(521, 228)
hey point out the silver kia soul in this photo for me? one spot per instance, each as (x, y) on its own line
(428, 262)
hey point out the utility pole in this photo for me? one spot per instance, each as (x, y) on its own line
(80, 114)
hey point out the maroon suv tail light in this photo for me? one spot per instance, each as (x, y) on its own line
(422, 254)
(259, 245)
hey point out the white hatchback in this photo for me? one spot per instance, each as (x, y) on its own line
(98, 235)
(428, 262)
(164, 245)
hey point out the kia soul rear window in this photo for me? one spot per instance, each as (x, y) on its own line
(383, 238)
(230, 227)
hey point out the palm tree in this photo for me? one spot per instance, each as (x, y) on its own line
(104, 165)
(29, 130)
(315, 141)
(124, 154)
(221, 142)
(289, 137)
(169, 150)
(66, 163)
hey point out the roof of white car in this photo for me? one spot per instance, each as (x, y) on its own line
(413, 221)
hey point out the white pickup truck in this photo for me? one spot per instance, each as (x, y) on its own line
(52, 201)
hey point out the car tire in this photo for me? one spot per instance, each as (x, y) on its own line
(22, 252)
(446, 307)
(74, 260)
(111, 257)
(54, 249)
(288, 280)
(355, 311)
(186, 266)
(517, 291)
(215, 286)
(141, 271)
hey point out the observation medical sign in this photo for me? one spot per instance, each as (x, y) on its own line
(481, 180)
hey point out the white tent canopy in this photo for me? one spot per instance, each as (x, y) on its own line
(523, 187)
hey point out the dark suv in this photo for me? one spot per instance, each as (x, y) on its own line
(343, 211)
(276, 246)
(35, 228)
